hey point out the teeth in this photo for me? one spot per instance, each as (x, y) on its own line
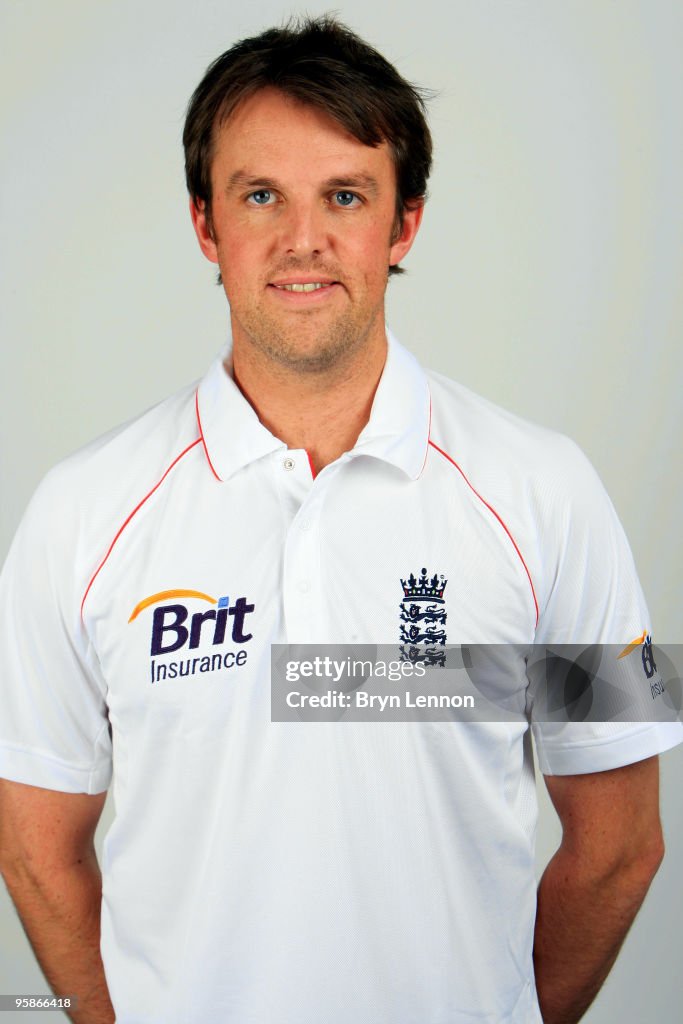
(312, 287)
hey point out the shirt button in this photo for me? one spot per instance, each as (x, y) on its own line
(305, 524)
(289, 463)
(304, 586)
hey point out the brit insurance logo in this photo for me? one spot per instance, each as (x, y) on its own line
(209, 639)
(643, 643)
(423, 618)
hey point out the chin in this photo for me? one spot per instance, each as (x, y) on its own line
(325, 349)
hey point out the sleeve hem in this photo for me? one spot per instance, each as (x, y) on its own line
(579, 759)
(35, 769)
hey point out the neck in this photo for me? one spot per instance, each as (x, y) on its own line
(323, 411)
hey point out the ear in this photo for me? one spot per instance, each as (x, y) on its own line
(203, 230)
(412, 218)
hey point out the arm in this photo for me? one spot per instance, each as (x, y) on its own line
(48, 861)
(594, 885)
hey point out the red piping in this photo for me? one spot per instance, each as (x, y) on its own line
(429, 432)
(493, 511)
(201, 434)
(310, 463)
(136, 509)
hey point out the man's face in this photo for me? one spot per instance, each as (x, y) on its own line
(299, 202)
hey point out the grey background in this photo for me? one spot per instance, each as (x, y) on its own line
(546, 276)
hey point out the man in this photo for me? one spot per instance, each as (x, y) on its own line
(306, 492)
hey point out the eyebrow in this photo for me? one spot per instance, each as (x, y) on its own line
(241, 179)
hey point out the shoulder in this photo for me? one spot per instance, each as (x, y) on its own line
(84, 499)
(109, 467)
(521, 463)
(551, 502)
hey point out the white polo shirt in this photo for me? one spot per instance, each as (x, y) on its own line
(263, 872)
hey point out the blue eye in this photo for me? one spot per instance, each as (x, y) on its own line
(346, 198)
(262, 197)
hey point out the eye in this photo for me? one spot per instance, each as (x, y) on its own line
(262, 197)
(347, 199)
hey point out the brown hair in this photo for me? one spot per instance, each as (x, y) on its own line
(321, 63)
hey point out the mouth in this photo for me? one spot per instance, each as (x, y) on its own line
(302, 286)
(304, 292)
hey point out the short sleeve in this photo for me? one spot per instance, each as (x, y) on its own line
(54, 729)
(593, 596)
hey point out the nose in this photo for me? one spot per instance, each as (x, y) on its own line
(304, 228)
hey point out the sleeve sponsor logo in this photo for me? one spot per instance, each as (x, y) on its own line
(643, 643)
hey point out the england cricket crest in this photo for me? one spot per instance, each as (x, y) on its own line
(423, 619)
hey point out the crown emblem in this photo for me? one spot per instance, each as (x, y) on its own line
(429, 589)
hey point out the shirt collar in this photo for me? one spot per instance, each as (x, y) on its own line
(397, 431)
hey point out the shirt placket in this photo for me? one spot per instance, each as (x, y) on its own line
(302, 589)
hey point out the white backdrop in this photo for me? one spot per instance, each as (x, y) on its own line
(547, 275)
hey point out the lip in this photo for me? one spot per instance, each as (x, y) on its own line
(303, 280)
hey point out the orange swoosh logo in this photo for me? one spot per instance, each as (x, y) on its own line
(632, 646)
(165, 595)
